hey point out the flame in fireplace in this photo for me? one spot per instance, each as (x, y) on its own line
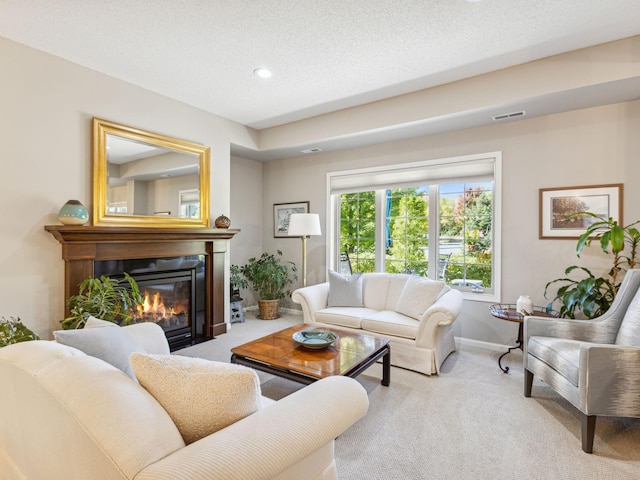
(153, 306)
(153, 309)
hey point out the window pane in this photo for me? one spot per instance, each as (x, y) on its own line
(466, 213)
(407, 229)
(357, 230)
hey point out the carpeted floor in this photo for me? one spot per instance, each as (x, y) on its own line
(470, 422)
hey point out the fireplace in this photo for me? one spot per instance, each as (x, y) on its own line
(173, 290)
(161, 260)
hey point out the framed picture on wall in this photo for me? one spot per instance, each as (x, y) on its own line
(281, 214)
(558, 208)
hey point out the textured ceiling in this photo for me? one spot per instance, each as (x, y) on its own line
(325, 54)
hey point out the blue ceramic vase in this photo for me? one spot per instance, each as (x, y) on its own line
(73, 213)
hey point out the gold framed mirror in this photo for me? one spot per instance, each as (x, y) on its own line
(147, 179)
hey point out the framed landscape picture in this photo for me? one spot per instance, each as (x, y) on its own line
(281, 214)
(558, 208)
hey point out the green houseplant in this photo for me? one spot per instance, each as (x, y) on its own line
(105, 298)
(12, 330)
(270, 277)
(237, 282)
(593, 295)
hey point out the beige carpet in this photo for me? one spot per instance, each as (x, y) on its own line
(470, 422)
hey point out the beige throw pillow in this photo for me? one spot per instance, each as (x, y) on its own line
(417, 295)
(200, 396)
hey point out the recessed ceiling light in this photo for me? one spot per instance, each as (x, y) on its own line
(262, 72)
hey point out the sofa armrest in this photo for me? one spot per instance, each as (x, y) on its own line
(311, 299)
(616, 371)
(443, 312)
(272, 439)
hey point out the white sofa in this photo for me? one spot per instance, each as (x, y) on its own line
(415, 313)
(68, 415)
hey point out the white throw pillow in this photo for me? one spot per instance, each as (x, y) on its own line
(113, 345)
(93, 322)
(200, 396)
(417, 295)
(345, 291)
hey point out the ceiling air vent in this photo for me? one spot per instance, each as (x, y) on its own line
(311, 150)
(504, 116)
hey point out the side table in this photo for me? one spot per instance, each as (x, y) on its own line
(508, 312)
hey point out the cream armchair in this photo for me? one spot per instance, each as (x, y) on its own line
(594, 364)
(68, 415)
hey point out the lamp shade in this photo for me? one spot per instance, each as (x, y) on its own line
(301, 224)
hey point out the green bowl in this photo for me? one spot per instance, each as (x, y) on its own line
(314, 339)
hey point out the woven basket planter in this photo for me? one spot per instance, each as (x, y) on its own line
(269, 309)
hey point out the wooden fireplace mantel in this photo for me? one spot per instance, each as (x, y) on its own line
(83, 245)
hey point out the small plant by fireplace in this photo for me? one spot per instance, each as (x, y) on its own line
(105, 298)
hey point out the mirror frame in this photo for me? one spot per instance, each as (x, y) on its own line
(102, 128)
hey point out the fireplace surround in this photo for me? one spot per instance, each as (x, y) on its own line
(85, 247)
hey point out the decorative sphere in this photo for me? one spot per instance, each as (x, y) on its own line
(73, 213)
(222, 222)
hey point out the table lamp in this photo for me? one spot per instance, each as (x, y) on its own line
(304, 225)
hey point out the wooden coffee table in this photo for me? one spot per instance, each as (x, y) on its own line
(278, 354)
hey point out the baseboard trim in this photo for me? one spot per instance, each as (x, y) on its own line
(291, 311)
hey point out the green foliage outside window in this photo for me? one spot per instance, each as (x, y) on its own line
(466, 213)
(407, 245)
(466, 216)
(358, 229)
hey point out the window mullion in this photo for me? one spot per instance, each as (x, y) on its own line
(381, 215)
(433, 234)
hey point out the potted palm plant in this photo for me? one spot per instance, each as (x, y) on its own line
(270, 277)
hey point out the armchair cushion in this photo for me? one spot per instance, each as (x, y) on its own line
(345, 291)
(200, 396)
(560, 354)
(417, 295)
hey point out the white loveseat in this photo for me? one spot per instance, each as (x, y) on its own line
(415, 313)
(67, 415)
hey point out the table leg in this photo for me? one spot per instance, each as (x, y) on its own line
(386, 368)
(518, 345)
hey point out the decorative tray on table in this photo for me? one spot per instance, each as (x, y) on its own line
(314, 339)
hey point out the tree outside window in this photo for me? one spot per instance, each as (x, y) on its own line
(464, 245)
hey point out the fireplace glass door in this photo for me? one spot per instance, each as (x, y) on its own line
(173, 290)
(168, 302)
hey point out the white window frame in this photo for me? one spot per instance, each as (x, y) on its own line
(352, 177)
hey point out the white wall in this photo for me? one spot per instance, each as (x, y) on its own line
(45, 151)
(246, 214)
(585, 147)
